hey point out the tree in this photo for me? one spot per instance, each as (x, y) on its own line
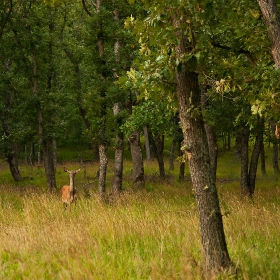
(168, 38)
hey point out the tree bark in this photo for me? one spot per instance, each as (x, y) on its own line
(211, 137)
(182, 164)
(215, 253)
(118, 173)
(255, 156)
(147, 143)
(10, 145)
(275, 156)
(157, 145)
(137, 160)
(171, 156)
(272, 20)
(12, 158)
(244, 179)
(48, 157)
(103, 162)
(44, 141)
(263, 165)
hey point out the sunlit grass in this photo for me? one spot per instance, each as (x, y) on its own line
(148, 234)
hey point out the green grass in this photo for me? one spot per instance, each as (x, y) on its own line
(151, 234)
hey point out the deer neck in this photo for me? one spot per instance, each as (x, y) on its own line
(71, 185)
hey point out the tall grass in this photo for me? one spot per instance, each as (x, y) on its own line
(152, 234)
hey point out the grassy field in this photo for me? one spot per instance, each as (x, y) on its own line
(152, 234)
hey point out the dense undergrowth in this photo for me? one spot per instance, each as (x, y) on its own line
(148, 234)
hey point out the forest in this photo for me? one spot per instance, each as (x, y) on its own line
(164, 116)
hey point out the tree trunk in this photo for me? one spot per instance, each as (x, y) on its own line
(215, 253)
(12, 158)
(182, 164)
(263, 167)
(118, 173)
(147, 143)
(244, 179)
(272, 20)
(211, 137)
(137, 160)
(44, 142)
(171, 156)
(228, 141)
(275, 150)
(275, 158)
(103, 162)
(157, 148)
(255, 157)
(48, 157)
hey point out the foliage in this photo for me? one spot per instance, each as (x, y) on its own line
(157, 116)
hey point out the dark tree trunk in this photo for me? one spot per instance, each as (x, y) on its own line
(182, 163)
(229, 142)
(263, 167)
(244, 148)
(137, 160)
(44, 142)
(10, 146)
(215, 253)
(171, 156)
(255, 156)
(157, 148)
(147, 143)
(213, 148)
(275, 150)
(12, 159)
(275, 158)
(48, 157)
(118, 172)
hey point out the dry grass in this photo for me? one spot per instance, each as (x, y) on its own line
(150, 234)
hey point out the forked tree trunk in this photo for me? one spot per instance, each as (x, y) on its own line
(137, 160)
(10, 146)
(215, 254)
(157, 144)
(12, 159)
(211, 137)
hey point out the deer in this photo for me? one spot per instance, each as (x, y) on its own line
(68, 193)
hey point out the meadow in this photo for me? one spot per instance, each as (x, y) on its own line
(147, 234)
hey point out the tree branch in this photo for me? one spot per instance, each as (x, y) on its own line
(85, 7)
(240, 51)
(7, 18)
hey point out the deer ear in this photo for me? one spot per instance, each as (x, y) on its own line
(65, 169)
(78, 170)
